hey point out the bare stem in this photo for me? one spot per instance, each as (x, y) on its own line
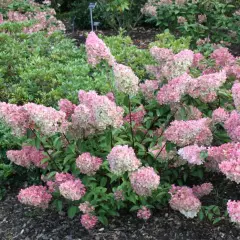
(130, 115)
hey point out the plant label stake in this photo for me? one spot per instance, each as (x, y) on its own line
(91, 7)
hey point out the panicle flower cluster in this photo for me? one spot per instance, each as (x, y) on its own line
(202, 190)
(95, 113)
(183, 200)
(231, 168)
(88, 164)
(190, 132)
(144, 213)
(173, 90)
(148, 88)
(192, 154)
(144, 181)
(232, 126)
(118, 195)
(225, 152)
(27, 156)
(236, 95)
(205, 86)
(47, 119)
(220, 115)
(233, 208)
(86, 207)
(202, 18)
(36, 196)
(162, 55)
(97, 50)
(223, 57)
(181, 20)
(67, 107)
(122, 159)
(88, 221)
(72, 189)
(125, 79)
(233, 71)
(150, 7)
(197, 60)
(110, 96)
(14, 16)
(16, 117)
(1, 18)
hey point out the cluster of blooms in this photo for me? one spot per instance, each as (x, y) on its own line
(205, 86)
(36, 196)
(47, 119)
(220, 115)
(67, 107)
(202, 190)
(95, 113)
(110, 96)
(181, 20)
(86, 207)
(144, 213)
(148, 88)
(197, 60)
(190, 132)
(202, 18)
(88, 164)
(97, 50)
(144, 181)
(192, 154)
(225, 152)
(233, 208)
(88, 221)
(183, 200)
(232, 126)
(72, 189)
(122, 159)
(16, 117)
(125, 79)
(173, 90)
(203, 41)
(223, 57)
(162, 55)
(27, 156)
(233, 71)
(118, 195)
(231, 169)
(192, 113)
(236, 95)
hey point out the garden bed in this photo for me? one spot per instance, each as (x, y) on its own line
(19, 222)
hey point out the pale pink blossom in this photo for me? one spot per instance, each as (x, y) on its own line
(97, 50)
(181, 20)
(122, 159)
(86, 207)
(1, 19)
(88, 164)
(236, 95)
(144, 181)
(162, 55)
(220, 115)
(233, 208)
(144, 213)
(202, 18)
(148, 88)
(72, 189)
(223, 57)
(118, 195)
(232, 126)
(88, 221)
(202, 190)
(66, 106)
(36, 196)
(231, 168)
(197, 60)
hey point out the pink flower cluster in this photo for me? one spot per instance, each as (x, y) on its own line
(27, 156)
(118, 195)
(46, 119)
(36, 196)
(88, 164)
(220, 115)
(232, 126)
(183, 200)
(181, 20)
(144, 213)
(192, 154)
(223, 57)
(95, 113)
(202, 190)
(231, 168)
(72, 189)
(190, 132)
(88, 221)
(205, 87)
(97, 50)
(202, 18)
(192, 113)
(125, 79)
(67, 107)
(236, 95)
(148, 88)
(197, 60)
(16, 117)
(144, 181)
(86, 207)
(122, 159)
(173, 90)
(233, 208)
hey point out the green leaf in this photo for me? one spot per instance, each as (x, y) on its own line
(216, 220)
(103, 182)
(72, 211)
(134, 208)
(201, 215)
(59, 205)
(103, 220)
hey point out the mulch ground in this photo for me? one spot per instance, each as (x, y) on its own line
(21, 222)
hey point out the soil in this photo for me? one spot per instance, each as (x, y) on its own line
(21, 222)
